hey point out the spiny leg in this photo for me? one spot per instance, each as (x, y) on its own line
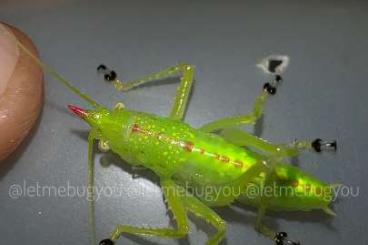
(242, 138)
(182, 93)
(259, 226)
(90, 186)
(201, 210)
(175, 204)
(250, 118)
(273, 64)
(280, 238)
(262, 228)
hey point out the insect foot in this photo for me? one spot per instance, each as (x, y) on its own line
(109, 75)
(319, 145)
(281, 239)
(106, 242)
(271, 87)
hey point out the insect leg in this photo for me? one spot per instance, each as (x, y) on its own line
(182, 93)
(201, 210)
(183, 90)
(262, 228)
(90, 186)
(250, 118)
(242, 138)
(259, 226)
(280, 238)
(175, 204)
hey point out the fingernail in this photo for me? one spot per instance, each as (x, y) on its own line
(9, 54)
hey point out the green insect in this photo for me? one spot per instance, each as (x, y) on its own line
(218, 157)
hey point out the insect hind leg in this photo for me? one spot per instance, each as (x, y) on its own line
(280, 238)
(240, 137)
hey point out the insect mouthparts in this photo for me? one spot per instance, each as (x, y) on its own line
(78, 111)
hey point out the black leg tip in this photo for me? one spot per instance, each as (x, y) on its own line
(318, 145)
(281, 234)
(101, 68)
(281, 239)
(333, 144)
(107, 77)
(278, 78)
(269, 88)
(278, 242)
(111, 76)
(106, 242)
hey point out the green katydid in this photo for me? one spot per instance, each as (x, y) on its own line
(218, 155)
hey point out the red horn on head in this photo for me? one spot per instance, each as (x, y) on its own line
(82, 113)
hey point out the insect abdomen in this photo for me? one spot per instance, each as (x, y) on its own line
(173, 148)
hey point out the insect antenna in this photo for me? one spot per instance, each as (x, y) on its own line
(58, 77)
